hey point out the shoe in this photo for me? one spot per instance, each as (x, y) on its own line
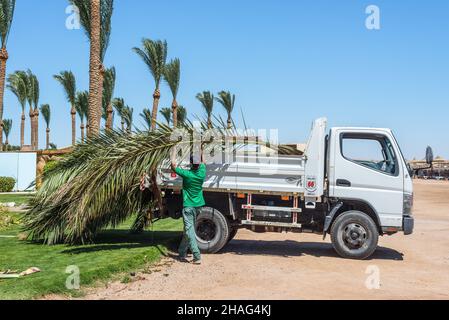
(183, 259)
(197, 262)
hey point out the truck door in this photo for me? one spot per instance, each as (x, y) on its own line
(366, 167)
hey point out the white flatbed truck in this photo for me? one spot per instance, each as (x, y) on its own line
(351, 183)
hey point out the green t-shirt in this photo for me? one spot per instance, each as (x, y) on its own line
(192, 188)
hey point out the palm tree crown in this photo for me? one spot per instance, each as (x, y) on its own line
(7, 125)
(228, 102)
(108, 90)
(166, 113)
(207, 101)
(82, 104)
(154, 54)
(46, 114)
(147, 117)
(68, 82)
(6, 16)
(18, 86)
(172, 75)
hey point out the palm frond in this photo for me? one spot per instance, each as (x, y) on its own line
(68, 82)
(18, 86)
(7, 126)
(33, 89)
(6, 17)
(128, 116)
(154, 55)
(172, 75)
(182, 115)
(207, 101)
(46, 113)
(147, 117)
(82, 104)
(166, 113)
(226, 100)
(108, 89)
(97, 185)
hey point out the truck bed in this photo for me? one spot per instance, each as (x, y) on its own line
(250, 174)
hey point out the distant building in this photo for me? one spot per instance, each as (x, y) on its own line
(440, 168)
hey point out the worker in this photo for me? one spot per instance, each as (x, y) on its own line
(193, 200)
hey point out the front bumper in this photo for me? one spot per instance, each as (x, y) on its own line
(408, 225)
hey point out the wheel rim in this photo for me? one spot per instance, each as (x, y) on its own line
(206, 230)
(355, 236)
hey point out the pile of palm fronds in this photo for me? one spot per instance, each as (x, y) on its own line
(97, 185)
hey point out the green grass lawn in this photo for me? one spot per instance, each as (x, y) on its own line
(114, 253)
(17, 198)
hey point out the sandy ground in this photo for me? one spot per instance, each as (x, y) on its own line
(301, 266)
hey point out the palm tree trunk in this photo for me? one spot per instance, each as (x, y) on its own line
(109, 118)
(3, 59)
(95, 69)
(100, 96)
(73, 114)
(175, 113)
(156, 98)
(31, 114)
(229, 122)
(22, 129)
(82, 131)
(36, 128)
(47, 144)
(209, 121)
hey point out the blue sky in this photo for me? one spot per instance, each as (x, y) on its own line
(287, 61)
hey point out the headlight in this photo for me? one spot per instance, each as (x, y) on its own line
(408, 204)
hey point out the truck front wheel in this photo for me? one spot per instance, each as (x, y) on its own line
(354, 235)
(212, 230)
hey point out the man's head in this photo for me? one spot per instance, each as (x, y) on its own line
(195, 162)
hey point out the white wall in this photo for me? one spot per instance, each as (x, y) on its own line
(20, 166)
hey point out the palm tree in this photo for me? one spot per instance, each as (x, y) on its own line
(46, 113)
(6, 16)
(68, 82)
(166, 113)
(82, 107)
(108, 93)
(172, 75)
(7, 125)
(154, 54)
(128, 117)
(119, 105)
(147, 117)
(95, 17)
(228, 102)
(33, 100)
(18, 86)
(72, 207)
(207, 100)
(182, 115)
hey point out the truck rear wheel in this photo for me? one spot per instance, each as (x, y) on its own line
(354, 235)
(212, 230)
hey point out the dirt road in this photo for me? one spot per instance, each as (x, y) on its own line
(301, 266)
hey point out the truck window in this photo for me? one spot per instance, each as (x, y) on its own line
(374, 152)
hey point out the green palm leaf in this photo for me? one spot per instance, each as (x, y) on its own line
(46, 113)
(154, 54)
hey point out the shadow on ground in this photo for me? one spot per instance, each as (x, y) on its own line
(291, 248)
(123, 239)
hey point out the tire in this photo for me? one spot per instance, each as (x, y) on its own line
(232, 234)
(354, 235)
(212, 230)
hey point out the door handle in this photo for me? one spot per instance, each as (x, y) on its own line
(343, 183)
